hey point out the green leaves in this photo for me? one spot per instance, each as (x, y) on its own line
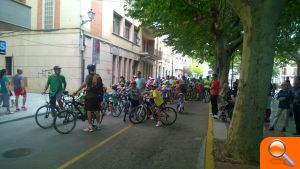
(188, 23)
(288, 40)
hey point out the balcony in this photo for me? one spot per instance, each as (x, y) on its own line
(14, 16)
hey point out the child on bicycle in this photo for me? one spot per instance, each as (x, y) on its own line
(180, 103)
(112, 99)
(134, 94)
(158, 100)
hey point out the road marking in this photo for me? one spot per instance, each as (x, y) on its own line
(209, 160)
(80, 156)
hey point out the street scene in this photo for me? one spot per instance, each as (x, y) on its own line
(149, 84)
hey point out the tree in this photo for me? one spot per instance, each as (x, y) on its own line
(288, 40)
(196, 69)
(260, 20)
(204, 30)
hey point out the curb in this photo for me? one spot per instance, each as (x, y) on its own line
(17, 119)
(209, 157)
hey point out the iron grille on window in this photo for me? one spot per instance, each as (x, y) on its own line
(48, 14)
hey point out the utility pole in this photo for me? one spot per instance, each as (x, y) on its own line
(91, 16)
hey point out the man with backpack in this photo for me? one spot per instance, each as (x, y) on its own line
(94, 92)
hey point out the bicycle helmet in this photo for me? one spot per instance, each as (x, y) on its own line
(114, 86)
(127, 81)
(91, 67)
(56, 67)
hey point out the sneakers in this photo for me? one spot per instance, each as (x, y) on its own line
(89, 129)
(24, 108)
(97, 127)
(158, 124)
(17, 110)
(215, 116)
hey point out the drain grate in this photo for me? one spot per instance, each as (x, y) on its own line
(18, 152)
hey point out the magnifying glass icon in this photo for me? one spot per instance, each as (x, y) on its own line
(277, 149)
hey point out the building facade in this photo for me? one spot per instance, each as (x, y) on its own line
(63, 34)
(289, 71)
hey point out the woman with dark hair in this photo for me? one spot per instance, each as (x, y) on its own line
(5, 92)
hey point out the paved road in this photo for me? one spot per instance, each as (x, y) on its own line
(136, 147)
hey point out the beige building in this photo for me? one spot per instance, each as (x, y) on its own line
(63, 34)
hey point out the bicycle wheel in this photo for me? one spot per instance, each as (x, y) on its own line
(168, 116)
(65, 122)
(137, 115)
(206, 97)
(118, 110)
(44, 117)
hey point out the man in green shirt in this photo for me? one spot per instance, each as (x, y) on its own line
(5, 91)
(57, 83)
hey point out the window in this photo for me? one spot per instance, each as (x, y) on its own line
(284, 71)
(295, 71)
(48, 14)
(8, 65)
(127, 30)
(136, 35)
(117, 23)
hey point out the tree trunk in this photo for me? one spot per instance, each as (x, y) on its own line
(298, 67)
(224, 69)
(222, 58)
(259, 19)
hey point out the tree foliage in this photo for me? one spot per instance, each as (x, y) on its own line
(196, 69)
(288, 39)
(189, 24)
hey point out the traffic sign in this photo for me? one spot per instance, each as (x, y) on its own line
(2, 47)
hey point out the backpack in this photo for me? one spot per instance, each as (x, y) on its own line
(94, 84)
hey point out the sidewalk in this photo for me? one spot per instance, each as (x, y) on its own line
(220, 128)
(220, 131)
(34, 101)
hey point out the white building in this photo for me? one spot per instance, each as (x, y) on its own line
(63, 35)
(289, 71)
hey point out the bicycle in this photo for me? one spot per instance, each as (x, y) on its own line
(142, 112)
(65, 121)
(206, 95)
(45, 114)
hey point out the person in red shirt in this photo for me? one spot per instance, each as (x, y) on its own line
(214, 91)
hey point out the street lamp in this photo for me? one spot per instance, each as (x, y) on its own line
(91, 15)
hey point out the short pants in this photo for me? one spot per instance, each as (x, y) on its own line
(53, 99)
(20, 92)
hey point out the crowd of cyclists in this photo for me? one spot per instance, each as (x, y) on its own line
(160, 92)
(166, 90)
